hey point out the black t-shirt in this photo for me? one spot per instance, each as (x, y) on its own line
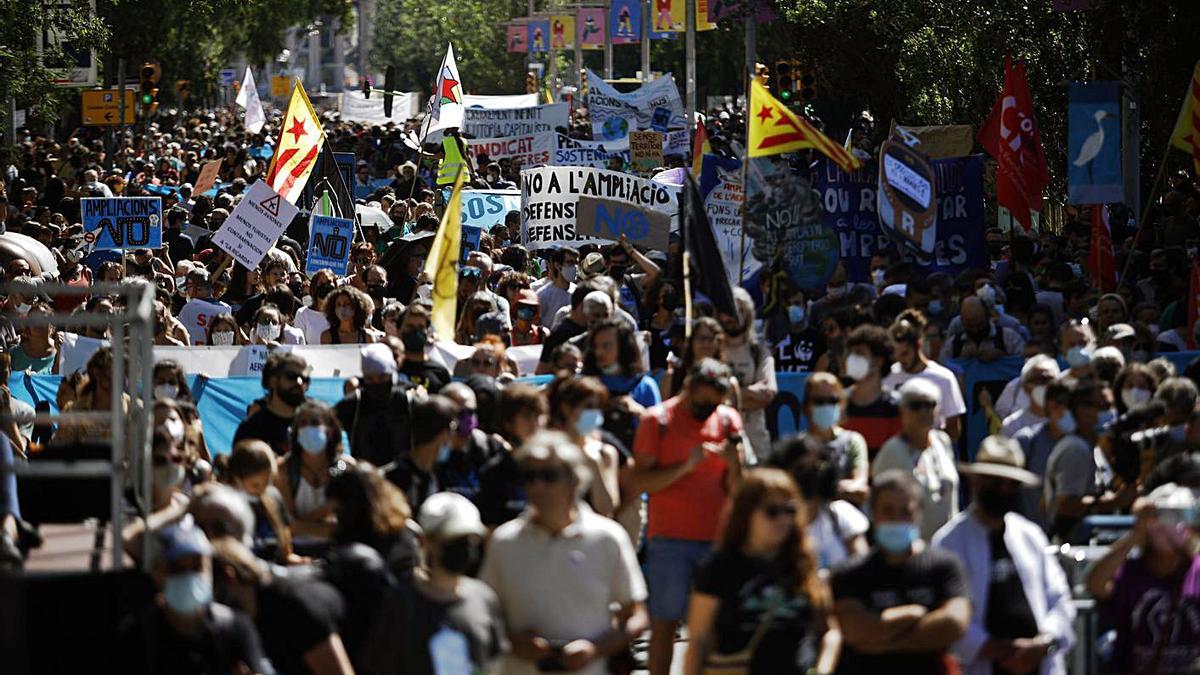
(149, 644)
(798, 352)
(379, 430)
(565, 330)
(753, 592)
(250, 305)
(460, 472)
(501, 493)
(433, 376)
(467, 631)
(929, 579)
(293, 617)
(1008, 614)
(416, 483)
(266, 426)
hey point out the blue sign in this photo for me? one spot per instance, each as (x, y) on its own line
(661, 120)
(329, 244)
(539, 36)
(849, 201)
(485, 208)
(228, 77)
(1094, 144)
(122, 222)
(470, 240)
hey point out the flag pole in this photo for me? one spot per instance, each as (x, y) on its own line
(745, 192)
(421, 149)
(1158, 178)
(687, 293)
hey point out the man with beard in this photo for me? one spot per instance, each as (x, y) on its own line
(982, 337)
(376, 416)
(285, 377)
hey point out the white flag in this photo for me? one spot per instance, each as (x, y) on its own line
(248, 98)
(446, 104)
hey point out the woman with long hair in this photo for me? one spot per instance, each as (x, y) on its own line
(243, 285)
(252, 468)
(577, 409)
(348, 311)
(317, 434)
(759, 605)
(370, 510)
(707, 341)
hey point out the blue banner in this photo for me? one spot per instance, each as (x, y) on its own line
(122, 222)
(485, 208)
(470, 240)
(850, 209)
(625, 22)
(329, 244)
(1094, 144)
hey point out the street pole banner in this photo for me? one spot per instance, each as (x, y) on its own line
(595, 154)
(354, 107)
(119, 223)
(255, 225)
(527, 149)
(590, 28)
(516, 38)
(721, 190)
(329, 245)
(550, 200)
(625, 21)
(539, 36)
(505, 122)
(609, 219)
(1094, 144)
(654, 105)
(562, 31)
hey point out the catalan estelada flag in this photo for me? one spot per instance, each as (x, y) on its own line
(300, 139)
(1186, 136)
(775, 130)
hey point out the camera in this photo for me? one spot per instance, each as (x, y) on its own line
(1135, 434)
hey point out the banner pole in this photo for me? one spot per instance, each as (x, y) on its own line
(645, 40)
(1158, 178)
(421, 150)
(687, 293)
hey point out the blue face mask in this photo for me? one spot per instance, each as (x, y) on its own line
(896, 537)
(1066, 423)
(187, 593)
(589, 420)
(1104, 419)
(796, 314)
(1076, 357)
(935, 307)
(444, 452)
(312, 439)
(825, 416)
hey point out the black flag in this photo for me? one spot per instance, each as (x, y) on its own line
(708, 275)
(330, 194)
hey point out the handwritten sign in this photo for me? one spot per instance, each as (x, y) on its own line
(255, 225)
(646, 150)
(609, 219)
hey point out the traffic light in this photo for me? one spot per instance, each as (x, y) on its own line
(808, 84)
(366, 87)
(148, 76)
(785, 82)
(583, 83)
(531, 82)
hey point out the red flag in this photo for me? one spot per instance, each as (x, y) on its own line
(1011, 135)
(1193, 305)
(1101, 263)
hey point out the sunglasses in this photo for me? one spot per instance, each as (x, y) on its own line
(547, 476)
(776, 510)
(483, 362)
(296, 375)
(470, 272)
(920, 405)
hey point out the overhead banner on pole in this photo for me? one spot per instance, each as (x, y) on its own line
(590, 28)
(1094, 144)
(625, 22)
(516, 39)
(354, 107)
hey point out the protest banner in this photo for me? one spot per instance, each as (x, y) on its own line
(783, 216)
(721, 190)
(506, 122)
(527, 149)
(550, 200)
(625, 21)
(677, 142)
(907, 196)
(645, 150)
(329, 244)
(255, 225)
(111, 223)
(500, 101)
(539, 36)
(609, 219)
(654, 105)
(562, 31)
(590, 28)
(515, 38)
(354, 107)
(485, 208)
(207, 177)
(596, 154)
(849, 201)
(1094, 144)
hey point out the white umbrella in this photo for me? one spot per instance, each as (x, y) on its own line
(373, 216)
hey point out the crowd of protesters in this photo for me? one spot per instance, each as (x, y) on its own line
(462, 519)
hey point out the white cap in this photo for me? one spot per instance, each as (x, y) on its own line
(449, 515)
(377, 359)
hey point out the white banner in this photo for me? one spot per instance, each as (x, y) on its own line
(723, 204)
(355, 108)
(255, 225)
(594, 154)
(677, 142)
(505, 101)
(527, 150)
(505, 122)
(654, 105)
(550, 197)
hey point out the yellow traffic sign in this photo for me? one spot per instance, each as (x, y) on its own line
(281, 86)
(102, 107)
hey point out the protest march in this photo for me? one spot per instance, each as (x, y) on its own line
(353, 357)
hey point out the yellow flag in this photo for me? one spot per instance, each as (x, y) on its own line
(452, 161)
(442, 264)
(775, 130)
(300, 139)
(1186, 135)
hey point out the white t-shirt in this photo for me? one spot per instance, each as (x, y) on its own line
(934, 470)
(741, 361)
(312, 322)
(951, 405)
(838, 521)
(196, 316)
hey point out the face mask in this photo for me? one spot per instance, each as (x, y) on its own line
(460, 555)
(617, 272)
(187, 593)
(857, 366)
(1104, 419)
(526, 313)
(570, 272)
(835, 291)
(321, 291)
(796, 314)
(877, 277)
(702, 411)
(1066, 423)
(292, 397)
(444, 451)
(896, 537)
(345, 313)
(169, 476)
(306, 300)
(825, 416)
(1132, 398)
(1077, 357)
(175, 428)
(670, 301)
(987, 294)
(935, 307)
(312, 439)
(222, 338)
(1039, 395)
(375, 291)
(24, 308)
(180, 281)
(468, 421)
(589, 420)
(415, 340)
(376, 392)
(267, 331)
(997, 503)
(165, 391)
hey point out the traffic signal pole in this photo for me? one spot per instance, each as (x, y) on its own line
(690, 55)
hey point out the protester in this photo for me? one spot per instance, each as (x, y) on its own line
(824, 406)
(348, 312)
(377, 415)
(871, 409)
(417, 336)
(303, 475)
(908, 335)
(286, 377)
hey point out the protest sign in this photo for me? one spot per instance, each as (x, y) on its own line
(625, 21)
(940, 141)
(122, 222)
(550, 200)
(653, 105)
(677, 142)
(783, 216)
(907, 196)
(721, 190)
(329, 244)
(500, 101)
(516, 36)
(609, 219)
(354, 107)
(527, 149)
(485, 208)
(1094, 144)
(255, 225)
(539, 36)
(596, 154)
(590, 28)
(470, 240)
(506, 122)
(645, 150)
(207, 177)
(849, 201)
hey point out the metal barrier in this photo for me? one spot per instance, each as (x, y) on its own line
(131, 328)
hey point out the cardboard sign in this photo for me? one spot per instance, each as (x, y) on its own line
(329, 244)
(255, 225)
(527, 150)
(207, 177)
(646, 150)
(122, 222)
(281, 85)
(609, 219)
(907, 195)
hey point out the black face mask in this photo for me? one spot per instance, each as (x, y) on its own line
(321, 291)
(702, 411)
(670, 301)
(818, 481)
(461, 555)
(997, 503)
(377, 392)
(375, 290)
(415, 340)
(617, 272)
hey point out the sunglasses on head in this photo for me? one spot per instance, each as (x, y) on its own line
(776, 510)
(920, 405)
(548, 476)
(470, 272)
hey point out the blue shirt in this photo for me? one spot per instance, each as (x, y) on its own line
(1037, 442)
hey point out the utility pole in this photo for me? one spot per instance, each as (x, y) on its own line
(608, 44)
(690, 54)
(645, 40)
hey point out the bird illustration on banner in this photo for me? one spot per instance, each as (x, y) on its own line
(1094, 143)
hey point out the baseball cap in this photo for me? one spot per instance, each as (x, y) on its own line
(182, 540)
(377, 359)
(449, 515)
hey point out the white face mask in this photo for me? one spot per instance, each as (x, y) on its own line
(169, 476)
(268, 331)
(24, 308)
(836, 291)
(857, 366)
(175, 428)
(1135, 396)
(165, 391)
(1038, 395)
(570, 272)
(222, 338)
